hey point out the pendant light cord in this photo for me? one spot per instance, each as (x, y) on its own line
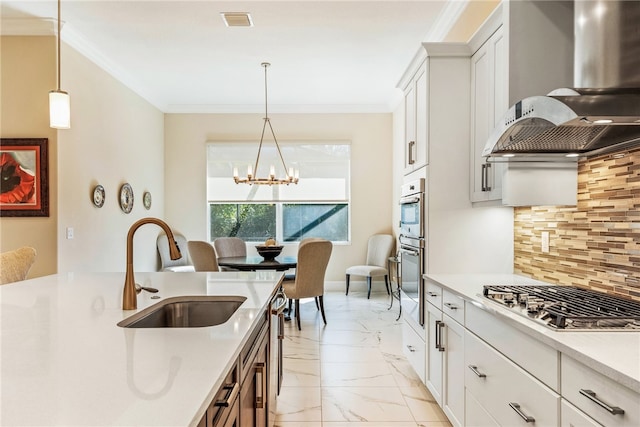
(59, 1)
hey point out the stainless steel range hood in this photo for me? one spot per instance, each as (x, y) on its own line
(603, 115)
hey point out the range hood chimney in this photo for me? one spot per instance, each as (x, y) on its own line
(602, 113)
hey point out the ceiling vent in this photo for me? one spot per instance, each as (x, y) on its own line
(237, 19)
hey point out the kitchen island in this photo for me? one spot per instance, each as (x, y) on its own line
(65, 361)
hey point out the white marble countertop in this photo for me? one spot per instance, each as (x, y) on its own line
(65, 362)
(614, 354)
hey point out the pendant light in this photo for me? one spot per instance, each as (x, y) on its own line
(291, 176)
(59, 101)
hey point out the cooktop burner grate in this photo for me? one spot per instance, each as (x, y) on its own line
(566, 307)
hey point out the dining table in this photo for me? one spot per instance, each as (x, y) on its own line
(257, 263)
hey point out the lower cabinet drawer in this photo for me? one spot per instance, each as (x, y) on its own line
(606, 401)
(453, 306)
(475, 415)
(414, 348)
(538, 359)
(570, 416)
(509, 394)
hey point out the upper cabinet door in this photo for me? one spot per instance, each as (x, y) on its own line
(416, 126)
(488, 103)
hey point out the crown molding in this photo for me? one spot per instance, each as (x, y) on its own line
(446, 20)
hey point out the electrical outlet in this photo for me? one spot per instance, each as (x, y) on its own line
(545, 241)
(69, 233)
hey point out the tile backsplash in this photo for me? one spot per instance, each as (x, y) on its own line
(595, 244)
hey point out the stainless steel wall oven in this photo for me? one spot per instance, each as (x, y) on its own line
(412, 246)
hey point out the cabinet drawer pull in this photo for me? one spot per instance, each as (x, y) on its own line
(525, 417)
(411, 348)
(474, 369)
(433, 294)
(450, 306)
(591, 395)
(235, 388)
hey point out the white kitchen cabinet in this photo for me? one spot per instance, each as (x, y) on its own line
(598, 396)
(538, 359)
(445, 360)
(508, 393)
(475, 415)
(488, 103)
(434, 325)
(416, 139)
(510, 49)
(570, 416)
(433, 102)
(414, 349)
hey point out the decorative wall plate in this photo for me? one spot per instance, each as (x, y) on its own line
(126, 198)
(146, 200)
(98, 196)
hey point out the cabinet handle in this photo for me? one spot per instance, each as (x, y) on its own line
(235, 388)
(432, 294)
(482, 177)
(260, 384)
(411, 159)
(591, 395)
(439, 327)
(450, 306)
(411, 348)
(487, 187)
(474, 369)
(281, 326)
(525, 417)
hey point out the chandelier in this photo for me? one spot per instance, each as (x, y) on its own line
(291, 176)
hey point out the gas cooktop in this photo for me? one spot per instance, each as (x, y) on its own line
(568, 308)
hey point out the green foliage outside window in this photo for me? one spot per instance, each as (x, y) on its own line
(250, 222)
(255, 222)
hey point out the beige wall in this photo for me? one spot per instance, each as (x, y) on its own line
(28, 73)
(115, 137)
(371, 177)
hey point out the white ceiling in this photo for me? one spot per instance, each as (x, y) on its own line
(326, 56)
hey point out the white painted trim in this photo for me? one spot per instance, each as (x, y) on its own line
(87, 49)
(446, 20)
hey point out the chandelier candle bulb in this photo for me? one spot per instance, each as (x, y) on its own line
(272, 172)
(235, 172)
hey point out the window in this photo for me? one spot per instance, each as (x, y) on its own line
(318, 206)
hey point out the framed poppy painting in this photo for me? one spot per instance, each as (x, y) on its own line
(24, 181)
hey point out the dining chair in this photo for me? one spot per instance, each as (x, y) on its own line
(167, 264)
(379, 249)
(313, 258)
(229, 247)
(15, 265)
(203, 255)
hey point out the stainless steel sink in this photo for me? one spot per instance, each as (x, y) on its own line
(186, 312)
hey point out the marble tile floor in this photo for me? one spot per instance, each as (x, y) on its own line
(351, 372)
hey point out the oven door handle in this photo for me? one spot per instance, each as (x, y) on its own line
(409, 251)
(409, 200)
